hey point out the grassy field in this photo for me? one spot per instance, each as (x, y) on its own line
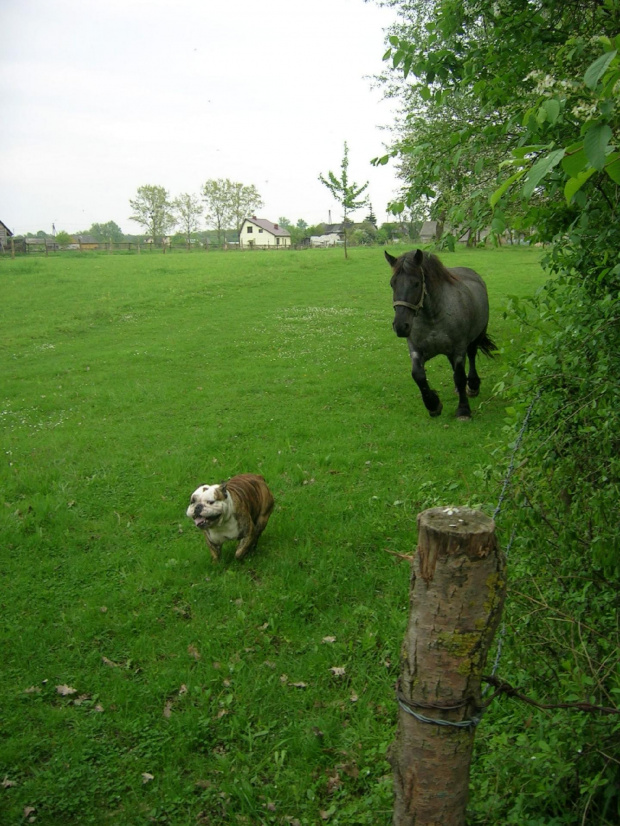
(141, 683)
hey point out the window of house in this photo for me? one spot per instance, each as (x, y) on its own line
(260, 230)
(249, 229)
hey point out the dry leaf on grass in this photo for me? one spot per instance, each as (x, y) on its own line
(6, 783)
(193, 652)
(65, 690)
(147, 777)
(337, 671)
(111, 663)
(328, 639)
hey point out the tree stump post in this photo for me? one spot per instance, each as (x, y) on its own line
(458, 586)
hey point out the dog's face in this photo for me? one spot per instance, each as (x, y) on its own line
(208, 504)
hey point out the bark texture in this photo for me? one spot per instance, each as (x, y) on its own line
(458, 586)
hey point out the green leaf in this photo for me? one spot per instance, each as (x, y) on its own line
(398, 58)
(595, 143)
(573, 185)
(612, 167)
(552, 109)
(540, 169)
(574, 160)
(597, 69)
(505, 186)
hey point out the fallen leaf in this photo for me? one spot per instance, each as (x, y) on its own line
(28, 810)
(354, 698)
(168, 710)
(350, 769)
(183, 689)
(98, 708)
(146, 777)
(65, 690)
(328, 639)
(284, 678)
(111, 663)
(6, 783)
(271, 806)
(333, 781)
(34, 689)
(298, 685)
(337, 671)
(193, 652)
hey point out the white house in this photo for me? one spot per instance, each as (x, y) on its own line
(258, 233)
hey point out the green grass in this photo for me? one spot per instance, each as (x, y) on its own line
(126, 382)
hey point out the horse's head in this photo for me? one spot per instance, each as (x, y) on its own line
(408, 289)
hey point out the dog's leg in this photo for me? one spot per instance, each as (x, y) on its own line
(215, 549)
(247, 543)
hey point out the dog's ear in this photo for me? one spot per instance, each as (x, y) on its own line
(223, 491)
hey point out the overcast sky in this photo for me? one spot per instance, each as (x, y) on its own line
(103, 96)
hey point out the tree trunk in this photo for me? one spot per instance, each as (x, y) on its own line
(458, 587)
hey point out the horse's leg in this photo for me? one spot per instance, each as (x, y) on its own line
(463, 411)
(473, 379)
(429, 397)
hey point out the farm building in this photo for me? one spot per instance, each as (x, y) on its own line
(258, 233)
(333, 234)
(87, 242)
(5, 234)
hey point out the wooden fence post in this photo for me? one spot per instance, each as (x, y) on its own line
(458, 586)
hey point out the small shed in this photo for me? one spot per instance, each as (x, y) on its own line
(87, 242)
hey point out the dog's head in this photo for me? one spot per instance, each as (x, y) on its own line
(208, 504)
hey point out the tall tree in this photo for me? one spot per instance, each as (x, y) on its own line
(511, 112)
(153, 210)
(217, 196)
(346, 193)
(188, 209)
(103, 232)
(245, 200)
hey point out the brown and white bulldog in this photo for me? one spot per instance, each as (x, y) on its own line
(237, 509)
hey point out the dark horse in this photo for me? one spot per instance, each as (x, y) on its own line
(440, 310)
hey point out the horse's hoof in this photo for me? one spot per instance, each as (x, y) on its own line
(436, 412)
(463, 418)
(472, 393)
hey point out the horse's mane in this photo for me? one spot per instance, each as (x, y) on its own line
(434, 271)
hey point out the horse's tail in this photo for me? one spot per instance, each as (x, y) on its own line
(486, 344)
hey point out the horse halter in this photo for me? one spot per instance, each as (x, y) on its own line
(415, 307)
